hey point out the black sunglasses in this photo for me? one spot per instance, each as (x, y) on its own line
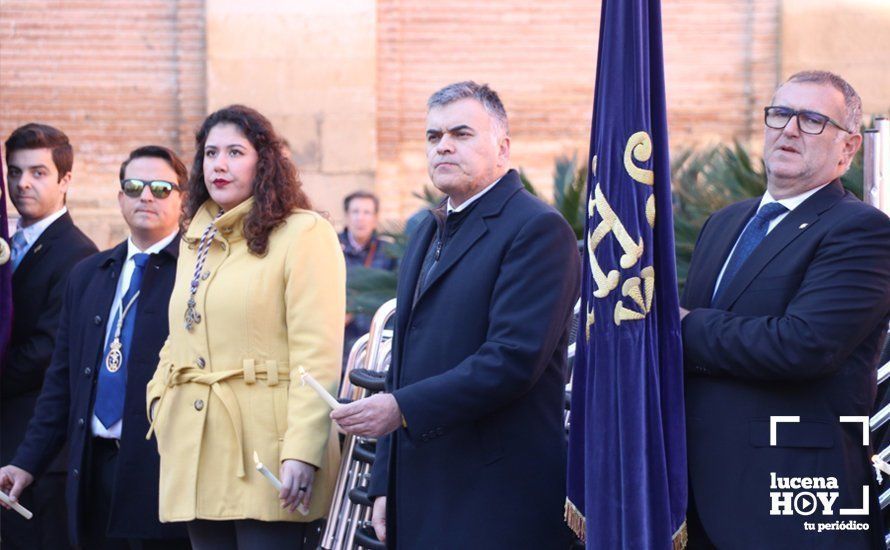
(160, 189)
(809, 122)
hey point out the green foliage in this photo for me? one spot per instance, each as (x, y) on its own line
(569, 191)
(369, 288)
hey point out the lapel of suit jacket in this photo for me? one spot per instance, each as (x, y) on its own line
(147, 300)
(42, 246)
(410, 271)
(474, 227)
(791, 227)
(102, 300)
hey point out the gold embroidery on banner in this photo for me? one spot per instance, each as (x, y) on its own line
(642, 297)
(640, 147)
(650, 210)
(640, 290)
(609, 224)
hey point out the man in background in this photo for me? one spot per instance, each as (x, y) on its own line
(362, 247)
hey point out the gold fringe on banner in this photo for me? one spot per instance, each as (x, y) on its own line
(576, 521)
(578, 524)
(681, 537)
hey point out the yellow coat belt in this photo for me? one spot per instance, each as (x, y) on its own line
(271, 373)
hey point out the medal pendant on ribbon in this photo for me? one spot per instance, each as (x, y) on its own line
(192, 317)
(115, 358)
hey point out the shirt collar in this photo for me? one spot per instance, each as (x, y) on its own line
(791, 202)
(132, 249)
(33, 231)
(466, 204)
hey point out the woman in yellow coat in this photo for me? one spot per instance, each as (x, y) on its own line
(260, 292)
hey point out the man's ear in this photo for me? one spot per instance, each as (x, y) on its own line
(63, 184)
(504, 151)
(851, 145)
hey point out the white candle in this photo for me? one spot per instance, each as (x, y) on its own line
(306, 378)
(25, 513)
(274, 481)
(265, 471)
(880, 464)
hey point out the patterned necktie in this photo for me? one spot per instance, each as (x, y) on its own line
(751, 237)
(18, 248)
(111, 387)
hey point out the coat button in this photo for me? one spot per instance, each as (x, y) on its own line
(81, 422)
(87, 371)
(76, 473)
(205, 275)
(97, 320)
(199, 404)
(201, 362)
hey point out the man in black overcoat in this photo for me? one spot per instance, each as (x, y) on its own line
(473, 447)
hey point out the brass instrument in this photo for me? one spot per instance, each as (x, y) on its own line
(349, 518)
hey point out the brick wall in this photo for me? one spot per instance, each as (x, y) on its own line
(112, 75)
(720, 61)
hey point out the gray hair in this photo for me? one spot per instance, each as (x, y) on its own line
(471, 90)
(852, 101)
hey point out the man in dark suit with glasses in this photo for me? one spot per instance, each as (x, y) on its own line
(786, 307)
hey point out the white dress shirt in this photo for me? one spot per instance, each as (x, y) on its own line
(464, 205)
(123, 282)
(35, 230)
(790, 203)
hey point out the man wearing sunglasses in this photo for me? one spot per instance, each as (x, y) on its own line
(112, 326)
(786, 306)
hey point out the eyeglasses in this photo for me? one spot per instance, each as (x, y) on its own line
(809, 122)
(160, 189)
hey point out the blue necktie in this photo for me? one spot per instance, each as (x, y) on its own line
(751, 237)
(111, 388)
(18, 248)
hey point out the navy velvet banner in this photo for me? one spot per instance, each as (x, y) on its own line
(627, 460)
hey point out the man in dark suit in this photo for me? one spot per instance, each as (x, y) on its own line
(45, 247)
(475, 451)
(788, 297)
(93, 397)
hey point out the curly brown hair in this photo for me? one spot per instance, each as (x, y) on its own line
(277, 189)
